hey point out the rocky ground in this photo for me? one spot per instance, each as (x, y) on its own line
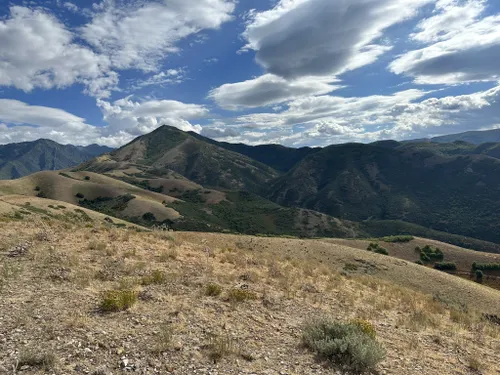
(54, 276)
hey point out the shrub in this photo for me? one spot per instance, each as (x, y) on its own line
(401, 238)
(445, 266)
(240, 295)
(149, 216)
(87, 178)
(382, 251)
(118, 300)
(419, 262)
(486, 266)
(213, 290)
(156, 277)
(479, 276)
(80, 195)
(37, 188)
(375, 247)
(428, 253)
(344, 344)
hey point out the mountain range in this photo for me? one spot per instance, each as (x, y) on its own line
(21, 159)
(446, 191)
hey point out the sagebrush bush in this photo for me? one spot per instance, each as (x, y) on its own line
(118, 300)
(213, 290)
(344, 344)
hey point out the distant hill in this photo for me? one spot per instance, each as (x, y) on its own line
(451, 188)
(168, 149)
(475, 137)
(21, 159)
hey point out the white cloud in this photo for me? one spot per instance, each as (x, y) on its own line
(125, 120)
(37, 51)
(450, 17)
(169, 77)
(266, 90)
(137, 118)
(140, 34)
(324, 120)
(464, 48)
(323, 37)
(71, 7)
(33, 122)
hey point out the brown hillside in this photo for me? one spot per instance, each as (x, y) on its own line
(52, 292)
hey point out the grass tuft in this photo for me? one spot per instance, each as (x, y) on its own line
(213, 290)
(118, 300)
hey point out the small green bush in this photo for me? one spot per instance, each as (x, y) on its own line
(156, 277)
(382, 251)
(80, 195)
(213, 290)
(118, 300)
(344, 344)
(486, 266)
(87, 178)
(419, 262)
(445, 266)
(428, 253)
(401, 238)
(375, 247)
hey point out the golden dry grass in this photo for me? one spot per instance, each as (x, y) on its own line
(53, 302)
(462, 257)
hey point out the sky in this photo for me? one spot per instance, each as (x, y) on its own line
(293, 72)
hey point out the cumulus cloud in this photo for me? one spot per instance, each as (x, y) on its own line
(137, 118)
(126, 120)
(140, 34)
(37, 51)
(266, 90)
(323, 37)
(324, 120)
(464, 47)
(28, 123)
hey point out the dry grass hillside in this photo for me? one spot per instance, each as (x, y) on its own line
(463, 258)
(86, 297)
(71, 187)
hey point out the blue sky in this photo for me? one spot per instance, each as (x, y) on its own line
(295, 72)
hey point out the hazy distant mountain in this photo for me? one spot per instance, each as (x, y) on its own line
(476, 137)
(21, 159)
